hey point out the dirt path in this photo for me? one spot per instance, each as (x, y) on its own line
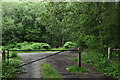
(32, 70)
(63, 61)
(59, 62)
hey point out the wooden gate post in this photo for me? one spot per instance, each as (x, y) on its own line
(79, 57)
(7, 56)
(108, 53)
(3, 55)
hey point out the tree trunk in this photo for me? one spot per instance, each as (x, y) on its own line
(100, 22)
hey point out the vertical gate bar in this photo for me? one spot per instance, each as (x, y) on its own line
(8, 56)
(108, 53)
(3, 55)
(79, 57)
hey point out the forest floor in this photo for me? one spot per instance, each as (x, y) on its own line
(59, 62)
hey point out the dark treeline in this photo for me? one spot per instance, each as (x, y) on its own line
(93, 25)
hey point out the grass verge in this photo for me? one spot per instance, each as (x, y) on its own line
(99, 61)
(77, 69)
(49, 72)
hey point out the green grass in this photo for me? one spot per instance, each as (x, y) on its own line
(75, 59)
(49, 72)
(100, 63)
(77, 69)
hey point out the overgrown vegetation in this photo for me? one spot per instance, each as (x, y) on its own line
(9, 71)
(100, 63)
(69, 44)
(87, 24)
(49, 72)
(77, 69)
(93, 26)
(28, 46)
(13, 55)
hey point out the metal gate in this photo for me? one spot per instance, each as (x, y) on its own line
(8, 51)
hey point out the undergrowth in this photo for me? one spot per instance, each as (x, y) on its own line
(99, 60)
(9, 70)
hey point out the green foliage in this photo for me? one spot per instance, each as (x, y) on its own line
(69, 44)
(37, 46)
(14, 62)
(74, 59)
(77, 69)
(9, 71)
(28, 46)
(83, 23)
(49, 72)
(45, 46)
(10, 46)
(89, 25)
(91, 41)
(101, 63)
(13, 55)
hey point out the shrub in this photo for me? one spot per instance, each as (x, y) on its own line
(31, 43)
(2, 47)
(69, 44)
(40, 46)
(45, 46)
(10, 46)
(101, 63)
(14, 62)
(13, 54)
(9, 71)
(24, 43)
(36, 46)
(18, 46)
(27, 47)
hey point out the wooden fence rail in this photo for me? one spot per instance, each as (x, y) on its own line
(110, 50)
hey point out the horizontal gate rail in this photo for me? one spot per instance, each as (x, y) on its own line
(43, 50)
(110, 51)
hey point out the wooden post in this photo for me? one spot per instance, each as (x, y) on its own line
(108, 53)
(7, 56)
(3, 55)
(79, 57)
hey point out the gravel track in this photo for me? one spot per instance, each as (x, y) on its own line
(59, 62)
(32, 70)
